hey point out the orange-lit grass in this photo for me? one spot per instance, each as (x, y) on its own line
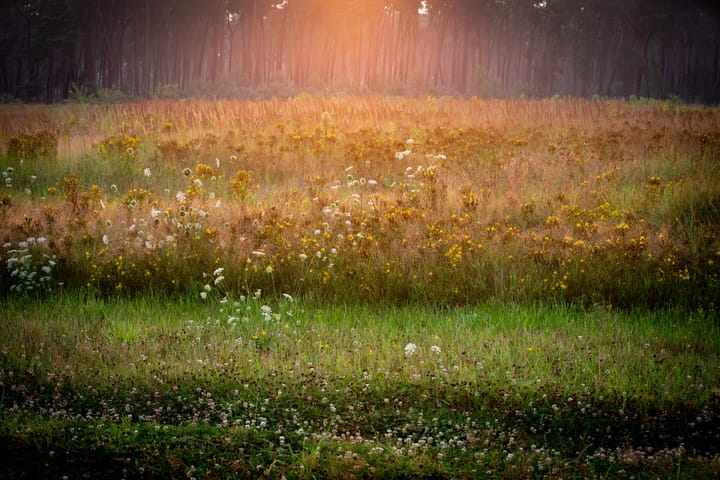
(592, 201)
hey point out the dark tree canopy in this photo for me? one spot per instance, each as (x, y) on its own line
(653, 48)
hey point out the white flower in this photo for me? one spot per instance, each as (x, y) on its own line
(180, 196)
(106, 239)
(288, 297)
(403, 154)
(303, 257)
(207, 287)
(410, 349)
(269, 269)
(266, 310)
(409, 141)
(147, 172)
(218, 271)
(435, 349)
(203, 295)
(219, 279)
(198, 183)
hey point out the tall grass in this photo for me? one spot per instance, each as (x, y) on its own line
(436, 201)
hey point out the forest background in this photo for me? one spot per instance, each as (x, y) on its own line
(116, 49)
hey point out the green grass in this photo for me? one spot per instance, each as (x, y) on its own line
(152, 388)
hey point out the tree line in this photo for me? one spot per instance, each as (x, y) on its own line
(654, 48)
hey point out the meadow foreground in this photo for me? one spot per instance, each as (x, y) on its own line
(360, 287)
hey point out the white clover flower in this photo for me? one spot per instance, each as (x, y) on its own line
(410, 349)
(403, 154)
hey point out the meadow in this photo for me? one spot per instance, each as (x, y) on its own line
(360, 287)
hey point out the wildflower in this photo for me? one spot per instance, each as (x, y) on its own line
(410, 349)
(435, 349)
(218, 271)
(409, 141)
(207, 287)
(219, 279)
(187, 172)
(147, 172)
(258, 253)
(288, 297)
(198, 183)
(180, 196)
(403, 154)
(106, 239)
(269, 269)
(130, 151)
(114, 188)
(203, 295)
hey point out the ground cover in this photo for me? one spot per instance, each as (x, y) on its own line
(153, 388)
(360, 287)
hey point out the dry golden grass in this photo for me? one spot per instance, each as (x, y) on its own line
(439, 200)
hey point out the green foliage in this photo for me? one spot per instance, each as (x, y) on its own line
(158, 388)
(170, 91)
